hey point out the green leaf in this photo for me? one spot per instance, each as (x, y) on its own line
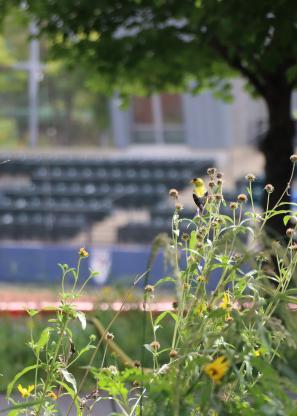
(44, 338)
(164, 279)
(18, 376)
(32, 312)
(193, 240)
(287, 218)
(163, 315)
(82, 318)
(69, 378)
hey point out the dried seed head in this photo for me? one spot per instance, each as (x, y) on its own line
(199, 245)
(220, 182)
(137, 364)
(179, 206)
(109, 336)
(211, 184)
(149, 288)
(233, 205)
(269, 188)
(175, 305)
(219, 175)
(83, 252)
(185, 236)
(293, 158)
(186, 285)
(218, 197)
(242, 198)
(173, 353)
(290, 232)
(173, 193)
(155, 345)
(250, 177)
(211, 171)
(294, 247)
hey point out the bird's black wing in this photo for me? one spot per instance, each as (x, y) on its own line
(198, 201)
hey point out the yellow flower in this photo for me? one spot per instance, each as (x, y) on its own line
(257, 353)
(201, 278)
(225, 304)
(25, 391)
(52, 395)
(217, 369)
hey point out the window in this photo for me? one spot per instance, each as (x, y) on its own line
(157, 119)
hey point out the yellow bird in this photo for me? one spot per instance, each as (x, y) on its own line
(199, 192)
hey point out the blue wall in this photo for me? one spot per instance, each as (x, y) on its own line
(38, 264)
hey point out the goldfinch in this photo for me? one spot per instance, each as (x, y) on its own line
(199, 192)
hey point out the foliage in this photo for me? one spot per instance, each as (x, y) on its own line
(225, 353)
(157, 44)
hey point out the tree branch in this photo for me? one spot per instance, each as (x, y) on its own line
(236, 63)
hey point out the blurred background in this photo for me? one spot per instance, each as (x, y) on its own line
(80, 168)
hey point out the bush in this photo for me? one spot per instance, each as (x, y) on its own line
(225, 352)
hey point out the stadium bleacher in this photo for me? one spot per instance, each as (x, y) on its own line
(160, 222)
(66, 195)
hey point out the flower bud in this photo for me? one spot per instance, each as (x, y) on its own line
(149, 288)
(137, 364)
(173, 193)
(242, 198)
(290, 232)
(175, 305)
(211, 171)
(155, 345)
(250, 177)
(233, 205)
(83, 252)
(173, 353)
(269, 188)
(179, 206)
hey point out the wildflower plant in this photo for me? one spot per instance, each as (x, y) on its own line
(54, 352)
(230, 318)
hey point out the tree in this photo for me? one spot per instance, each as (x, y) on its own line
(147, 45)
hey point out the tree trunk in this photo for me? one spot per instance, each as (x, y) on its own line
(277, 147)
